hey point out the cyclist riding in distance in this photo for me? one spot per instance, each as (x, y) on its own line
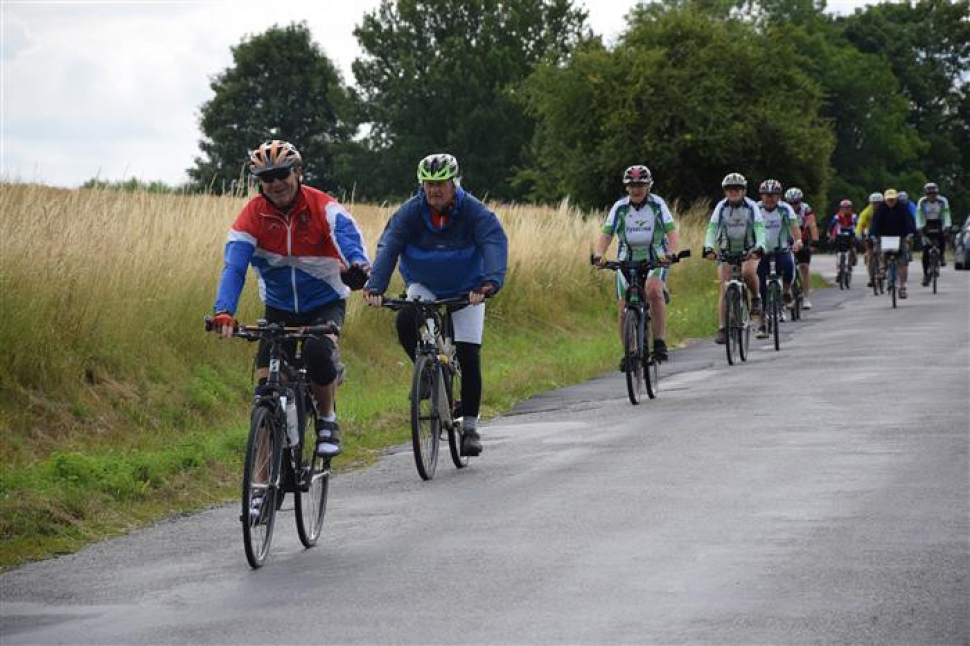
(449, 244)
(844, 223)
(933, 220)
(865, 221)
(809, 229)
(737, 226)
(645, 230)
(304, 245)
(780, 225)
(892, 218)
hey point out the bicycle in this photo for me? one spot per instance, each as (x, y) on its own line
(641, 368)
(876, 276)
(436, 379)
(797, 295)
(844, 242)
(279, 456)
(933, 267)
(889, 247)
(774, 302)
(737, 305)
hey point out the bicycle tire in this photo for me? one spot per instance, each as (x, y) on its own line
(264, 450)
(744, 330)
(840, 276)
(874, 273)
(310, 490)
(633, 369)
(455, 431)
(731, 322)
(651, 367)
(425, 421)
(774, 300)
(935, 268)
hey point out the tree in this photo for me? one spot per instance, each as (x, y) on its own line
(281, 85)
(690, 94)
(444, 75)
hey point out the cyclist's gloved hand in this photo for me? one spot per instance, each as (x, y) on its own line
(373, 298)
(355, 276)
(481, 292)
(709, 253)
(758, 252)
(596, 260)
(224, 323)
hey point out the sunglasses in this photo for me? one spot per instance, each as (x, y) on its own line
(270, 176)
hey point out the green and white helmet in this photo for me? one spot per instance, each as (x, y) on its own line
(438, 168)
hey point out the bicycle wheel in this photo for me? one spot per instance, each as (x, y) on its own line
(774, 316)
(935, 266)
(634, 366)
(310, 491)
(425, 422)
(848, 275)
(260, 484)
(840, 277)
(732, 318)
(874, 273)
(651, 367)
(455, 431)
(891, 282)
(744, 329)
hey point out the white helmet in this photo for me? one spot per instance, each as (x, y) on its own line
(793, 194)
(734, 179)
(876, 197)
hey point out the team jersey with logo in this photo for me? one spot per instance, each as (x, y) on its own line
(778, 223)
(933, 213)
(642, 231)
(736, 228)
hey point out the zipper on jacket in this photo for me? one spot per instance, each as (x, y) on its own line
(289, 252)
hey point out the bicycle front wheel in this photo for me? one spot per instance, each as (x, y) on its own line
(651, 367)
(774, 315)
(425, 421)
(732, 323)
(260, 486)
(633, 367)
(310, 491)
(744, 328)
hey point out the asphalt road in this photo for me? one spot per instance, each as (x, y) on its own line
(817, 494)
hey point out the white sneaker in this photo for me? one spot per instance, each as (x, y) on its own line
(806, 304)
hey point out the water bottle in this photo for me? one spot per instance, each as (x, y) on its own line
(292, 422)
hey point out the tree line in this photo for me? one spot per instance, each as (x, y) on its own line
(538, 108)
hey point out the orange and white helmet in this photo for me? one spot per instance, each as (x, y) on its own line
(273, 155)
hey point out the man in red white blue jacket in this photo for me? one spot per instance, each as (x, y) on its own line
(303, 245)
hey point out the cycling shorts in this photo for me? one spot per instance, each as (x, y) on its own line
(468, 323)
(332, 312)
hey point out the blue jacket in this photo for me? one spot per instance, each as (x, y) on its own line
(894, 221)
(469, 250)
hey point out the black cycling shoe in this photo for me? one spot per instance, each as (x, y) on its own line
(328, 439)
(659, 350)
(471, 443)
(623, 364)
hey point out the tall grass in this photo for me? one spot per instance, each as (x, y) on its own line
(114, 405)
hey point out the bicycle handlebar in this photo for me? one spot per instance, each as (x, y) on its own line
(643, 265)
(399, 303)
(270, 330)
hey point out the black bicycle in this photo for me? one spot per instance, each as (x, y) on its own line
(890, 248)
(280, 457)
(773, 302)
(641, 367)
(797, 295)
(844, 243)
(876, 276)
(435, 383)
(737, 308)
(933, 263)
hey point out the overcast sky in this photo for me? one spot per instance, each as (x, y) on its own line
(112, 89)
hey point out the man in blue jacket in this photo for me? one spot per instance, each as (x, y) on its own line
(892, 218)
(449, 244)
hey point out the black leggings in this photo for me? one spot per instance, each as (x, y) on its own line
(940, 239)
(469, 358)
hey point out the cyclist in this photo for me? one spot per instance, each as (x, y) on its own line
(862, 226)
(904, 199)
(737, 226)
(304, 245)
(449, 244)
(933, 220)
(809, 229)
(842, 226)
(892, 219)
(646, 230)
(780, 225)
